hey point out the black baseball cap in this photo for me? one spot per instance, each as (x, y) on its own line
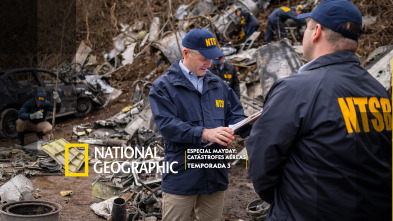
(40, 98)
(216, 60)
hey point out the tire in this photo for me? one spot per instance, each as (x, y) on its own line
(8, 119)
(83, 107)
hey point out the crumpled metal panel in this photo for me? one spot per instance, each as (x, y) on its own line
(98, 82)
(246, 57)
(203, 7)
(103, 208)
(248, 5)
(225, 23)
(16, 189)
(154, 29)
(381, 69)
(144, 119)
(181, 12)
(263, 4)
(275, 61)
(82, 53)
(56, 149)
(170, 47)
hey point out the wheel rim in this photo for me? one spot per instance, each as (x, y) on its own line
(10, 125)
(83, 106)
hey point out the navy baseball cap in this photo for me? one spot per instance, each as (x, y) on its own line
(300, 7)
(237, 9)
(203, 41)
(216, 60)
(40, 98)
(334, 14)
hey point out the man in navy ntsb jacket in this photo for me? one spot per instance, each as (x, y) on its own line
(192, 107)
(322, 148)
(275, 22)
(227, 72)
(32, 116)
(249, 20)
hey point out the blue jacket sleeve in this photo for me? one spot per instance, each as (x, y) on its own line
(292, 14)
(23, 113)
(271, 138)
(30, 107)
(170, 126)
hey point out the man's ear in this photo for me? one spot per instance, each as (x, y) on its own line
(317, 32)
(186, 52)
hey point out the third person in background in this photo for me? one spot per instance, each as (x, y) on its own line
(249, 21)
(32, 116)
(275, 22)
(227, 72)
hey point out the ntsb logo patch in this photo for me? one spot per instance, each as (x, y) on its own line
(210, 42)
(220, 103)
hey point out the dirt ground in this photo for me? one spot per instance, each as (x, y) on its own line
(77, 206)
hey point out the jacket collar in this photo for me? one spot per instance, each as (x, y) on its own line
(333, 58)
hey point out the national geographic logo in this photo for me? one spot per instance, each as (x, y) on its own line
(72, 159)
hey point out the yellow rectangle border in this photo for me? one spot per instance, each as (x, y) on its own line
(67, 146)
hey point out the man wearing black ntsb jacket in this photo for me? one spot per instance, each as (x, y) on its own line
(32, 116)
(322, 148)
(248, 20)
(275, 22)
(191, 106)
(227, 72)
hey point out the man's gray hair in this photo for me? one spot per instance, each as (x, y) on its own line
(192, 51)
